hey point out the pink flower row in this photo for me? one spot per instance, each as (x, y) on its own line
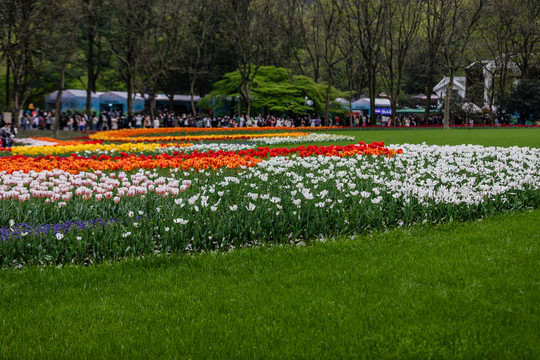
(60, 185)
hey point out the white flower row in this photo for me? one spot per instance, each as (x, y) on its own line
(33, 142)
(312, 137)
(186, 149)
(429, 174)
(425, 174)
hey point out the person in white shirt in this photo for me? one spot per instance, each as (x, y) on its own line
(114, 123)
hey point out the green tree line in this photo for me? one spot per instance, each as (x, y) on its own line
(186, 46)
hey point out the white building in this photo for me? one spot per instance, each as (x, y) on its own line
(484, 72)
(458, 87)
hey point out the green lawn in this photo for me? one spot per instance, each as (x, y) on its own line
(459, 290)
(455, 291)
(435, 136)
(487, 137)
(504, 137)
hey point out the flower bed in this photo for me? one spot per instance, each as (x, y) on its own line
(136, 134)
(285, 195)
(213, 160)
(313, 137)
(222, 137)
(90, 148)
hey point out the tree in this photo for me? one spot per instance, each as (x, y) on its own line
(310, 35)
(25, 34)
(321, 36)
(249, 23)
(291, 22)
(130, 21)
(369, 19)
(202, 29)
(403, 21)
(435, 21)
(525, 100)
(509, 36)
(352, 58)
(161, 48)
(526, 39)
(273, 91)
(94, 26)
(464, 17)
(63, 47)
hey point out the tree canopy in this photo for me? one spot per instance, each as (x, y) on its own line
(524, 99)
(398, 47)
(274, 91)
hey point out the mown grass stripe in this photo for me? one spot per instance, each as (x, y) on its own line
(459, 290)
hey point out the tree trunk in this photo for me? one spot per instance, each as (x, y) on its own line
(58, 106)
(153, 106)
(153, 103)
(372, 85)
(8, 68)
(327, 104)
(171, 101)
(192, 96)
(372, 96)
(248, 101)
(429, 89)
(129, 94)
(491, 97)
(17, 103)
(351, 117)
(395, 96)
(393, 104)
(7, 83)
(446, 121)
(90, 69)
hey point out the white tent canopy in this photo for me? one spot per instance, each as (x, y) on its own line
(365, 103)
(471, 108)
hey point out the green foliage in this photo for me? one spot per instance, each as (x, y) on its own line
(274, 91)
(525, 100)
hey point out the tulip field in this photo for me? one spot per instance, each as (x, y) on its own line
(164, 197)
(88, 202)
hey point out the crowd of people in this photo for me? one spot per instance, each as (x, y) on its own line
(7, 134)
(114, 120)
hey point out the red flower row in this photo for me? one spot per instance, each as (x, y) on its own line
(211, 159)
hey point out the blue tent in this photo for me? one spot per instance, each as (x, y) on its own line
(181, 103)
(382, 106)
(117, 100)
(74, 100)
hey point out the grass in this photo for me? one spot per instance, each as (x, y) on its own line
(488, 137)
(504, 137)
(454, 291)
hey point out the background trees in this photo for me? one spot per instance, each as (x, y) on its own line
(25, 37)
(181, 46)
(464, 17)
(403, 21)
(275, 92)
